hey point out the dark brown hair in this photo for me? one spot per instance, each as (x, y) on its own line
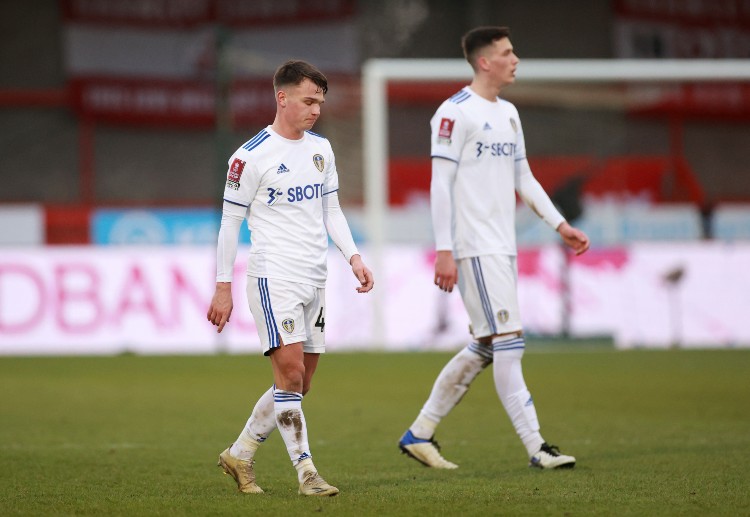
(294, 72)
(476, 39)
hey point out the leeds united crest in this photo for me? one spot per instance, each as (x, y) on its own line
(319, 162)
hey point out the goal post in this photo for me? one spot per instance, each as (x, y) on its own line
(378, 73)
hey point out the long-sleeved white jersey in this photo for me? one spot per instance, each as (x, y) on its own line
(473, 198)
(287, 190)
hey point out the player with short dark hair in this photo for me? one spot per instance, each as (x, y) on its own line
(477, 39)
(478, 165)
(284, 182)
(292, 73)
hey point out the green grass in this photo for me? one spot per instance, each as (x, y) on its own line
(654, 432)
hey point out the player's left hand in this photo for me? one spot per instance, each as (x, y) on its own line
(363, 274)
(574, 238)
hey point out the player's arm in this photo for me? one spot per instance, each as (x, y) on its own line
(441, 206)
(232, 217)
(537, 199)
(341, 235)
(241, 188)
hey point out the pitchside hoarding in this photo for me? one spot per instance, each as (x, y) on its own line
(157, 226)
(106, 300)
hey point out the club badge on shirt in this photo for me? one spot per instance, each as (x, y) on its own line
(319, 162)
(235, 173)
(445, 131)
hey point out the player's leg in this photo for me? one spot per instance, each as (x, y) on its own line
(508, 345)
(450, 387)
(289, 373)
(238, 460)
(519, 404)
(289, 306)
(453, 381)
(259, 426)
(313, 322)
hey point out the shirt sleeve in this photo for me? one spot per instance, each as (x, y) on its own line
(331, 179)
(243, 179)
(232, 217)
(441, 201)
(337, 227)
(520, 140)
(534, 195)
(447, 132)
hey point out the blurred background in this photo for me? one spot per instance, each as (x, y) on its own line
(117, 118)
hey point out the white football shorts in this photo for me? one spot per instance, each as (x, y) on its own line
(287, 312)
(488, 286)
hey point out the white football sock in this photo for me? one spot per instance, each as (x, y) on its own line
(261, 423)
(303, 467)
(450, 387)
(291, 423)
(513, 393)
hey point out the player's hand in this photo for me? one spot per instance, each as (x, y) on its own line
(221, 305)
(573, 238)
(446, 273)
(363, 274)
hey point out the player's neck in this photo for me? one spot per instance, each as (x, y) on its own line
(286, 130)
(483, 89)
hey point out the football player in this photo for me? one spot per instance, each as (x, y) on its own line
(478, 165)
(284, 182)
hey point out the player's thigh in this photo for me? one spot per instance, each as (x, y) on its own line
(277, 308)
(315, 322)
(488, 286)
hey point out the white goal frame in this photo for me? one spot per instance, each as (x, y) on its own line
(377, 73)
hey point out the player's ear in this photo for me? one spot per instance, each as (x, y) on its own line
(281, 98)
(483, 63)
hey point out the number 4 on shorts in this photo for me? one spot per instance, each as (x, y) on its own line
(321, 321)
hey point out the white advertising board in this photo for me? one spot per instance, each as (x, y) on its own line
(106, 300)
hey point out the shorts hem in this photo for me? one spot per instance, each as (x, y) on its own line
(490, 333)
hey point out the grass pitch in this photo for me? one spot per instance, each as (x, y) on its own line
(654, 432)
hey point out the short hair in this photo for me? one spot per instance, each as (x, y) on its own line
(293, 72)
(479, 38)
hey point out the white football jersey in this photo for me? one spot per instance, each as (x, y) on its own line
(485, 139)
(282, 182)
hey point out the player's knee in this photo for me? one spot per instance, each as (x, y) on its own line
(293, 376)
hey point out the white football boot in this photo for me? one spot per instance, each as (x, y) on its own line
(426, 452)
(313, 484)
(242, 472)
(549, 457)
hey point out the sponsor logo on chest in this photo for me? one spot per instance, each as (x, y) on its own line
(495, 149)
(295, 194)
(296, 187)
